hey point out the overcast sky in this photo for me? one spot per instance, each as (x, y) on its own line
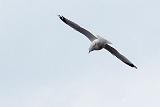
(45, 63)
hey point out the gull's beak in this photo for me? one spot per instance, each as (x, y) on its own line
(89, 51)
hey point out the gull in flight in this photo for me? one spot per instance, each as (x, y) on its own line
(97, 42)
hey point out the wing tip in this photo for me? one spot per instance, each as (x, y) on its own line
(62, 18)
(135, 67)
(59, 15)
(132, 66)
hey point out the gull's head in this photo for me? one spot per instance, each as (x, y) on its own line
(90, 50)
(92, 47)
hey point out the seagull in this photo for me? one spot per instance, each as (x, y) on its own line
(97, 42)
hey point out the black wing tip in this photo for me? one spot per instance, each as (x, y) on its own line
(135, 67)
(132, 66)
(59, 16)
(62, 18)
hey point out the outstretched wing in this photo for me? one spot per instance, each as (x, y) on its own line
(75, 26)
(119, 56)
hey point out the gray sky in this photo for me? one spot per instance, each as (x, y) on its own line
(44, 63)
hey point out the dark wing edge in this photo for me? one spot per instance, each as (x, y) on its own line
(119, 56)
(78, 28)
